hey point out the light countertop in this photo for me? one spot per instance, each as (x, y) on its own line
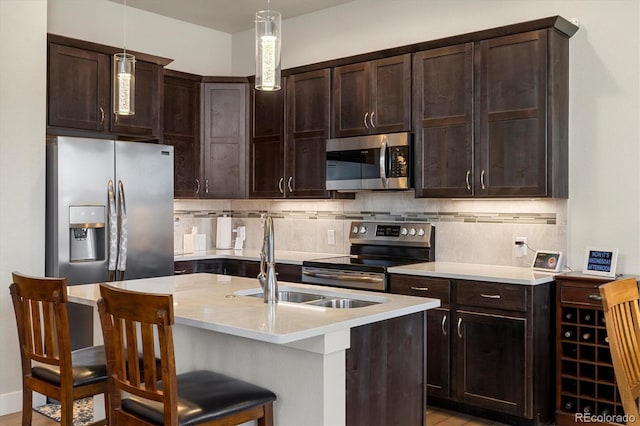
(476, 272)
(213, 302)
(281, 256)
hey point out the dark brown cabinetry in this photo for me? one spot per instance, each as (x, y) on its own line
(240, 268)
(182, 130)
(79, 88)
(224, 139)
(287, 155)
(79, 91)
(372, 97)
(266, 176)
(585, 381)
(491, 117)
(488, 347)
(308, 109)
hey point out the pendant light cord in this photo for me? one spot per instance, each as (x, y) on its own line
(124, 41)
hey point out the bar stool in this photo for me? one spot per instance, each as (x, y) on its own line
(134, 322)
(49, 366)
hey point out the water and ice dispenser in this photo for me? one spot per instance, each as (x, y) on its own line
(87, 233)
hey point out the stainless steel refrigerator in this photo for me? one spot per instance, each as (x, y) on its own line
(109, 213)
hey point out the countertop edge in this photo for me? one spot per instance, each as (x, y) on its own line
(537, 278)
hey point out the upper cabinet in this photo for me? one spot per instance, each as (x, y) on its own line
(372, 97)
(290, 129)
(266, 176)
(79, 91)
(224, 139)
(491, 117)
(308, 110)
(182, 131)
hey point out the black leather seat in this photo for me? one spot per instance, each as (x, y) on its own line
(89, 366)
(203, 396)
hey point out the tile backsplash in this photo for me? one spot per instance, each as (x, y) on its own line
(470, 231)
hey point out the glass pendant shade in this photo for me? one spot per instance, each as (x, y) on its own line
(124, 84)
(268, 50)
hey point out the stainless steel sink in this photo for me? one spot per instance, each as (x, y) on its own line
(293, 296)
(342, 303)
(320, 298)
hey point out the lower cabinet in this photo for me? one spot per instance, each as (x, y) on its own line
(239, 268)
(488, 347)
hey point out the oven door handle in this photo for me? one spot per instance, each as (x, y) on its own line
(343, 277)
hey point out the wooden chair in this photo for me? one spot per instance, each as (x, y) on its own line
(143, 323)
(49, 366)
(622, 318)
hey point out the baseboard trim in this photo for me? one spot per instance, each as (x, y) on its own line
(12, 402)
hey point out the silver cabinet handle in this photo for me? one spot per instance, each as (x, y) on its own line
(101, 116)
(280, 188)
(197, 191)
(490, 296)
(383, 161)
(115, 119)
(366, 115)
(206, 186)
(289, 184)
(459, 325)
(595, 297)
(444, 321)
(420, 288)
(482, 180)
(466, 179)
(373, 125)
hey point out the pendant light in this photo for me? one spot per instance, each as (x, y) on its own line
(268, 49)
(124, 77)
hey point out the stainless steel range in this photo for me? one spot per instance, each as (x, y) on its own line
(375, 246)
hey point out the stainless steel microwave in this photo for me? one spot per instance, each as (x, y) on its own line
(372, 162)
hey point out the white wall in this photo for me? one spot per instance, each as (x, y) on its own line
(193, 48)
(23, 28)
(604, 204)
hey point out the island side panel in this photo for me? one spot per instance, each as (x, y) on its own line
(386, 374)
(310, 386)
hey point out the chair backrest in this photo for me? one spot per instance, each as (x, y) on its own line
(40, 306)
(622, 318)
(133, 323)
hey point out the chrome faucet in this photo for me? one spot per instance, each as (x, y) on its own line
(267, 275)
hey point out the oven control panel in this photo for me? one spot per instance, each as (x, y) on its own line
(400, 233)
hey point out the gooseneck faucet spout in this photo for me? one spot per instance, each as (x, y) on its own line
(267, 276)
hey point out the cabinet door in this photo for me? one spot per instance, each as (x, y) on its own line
(390, 100)
(224, 139)
(308, 114)
(443, 104)
(182, 129)
(79, 88)
(438, 355)
(148, 97)
(267, 145)
(351, 100)
(490, 355)
(512, 120)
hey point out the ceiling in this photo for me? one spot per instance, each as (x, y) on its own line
(228, 16)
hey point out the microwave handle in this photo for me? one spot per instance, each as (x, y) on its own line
(383, 161)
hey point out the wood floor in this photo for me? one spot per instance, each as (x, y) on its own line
(435, 416)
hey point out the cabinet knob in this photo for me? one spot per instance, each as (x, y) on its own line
(482, 180)
(459, 327)
(280, 187)
(444, 321)
(373, 125)
(366, 115)
(289, 184)
(466, 179)
(197, 190)
(101, 116)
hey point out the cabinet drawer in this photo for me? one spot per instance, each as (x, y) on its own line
(492, 295)
(420, 286)
(581, 295)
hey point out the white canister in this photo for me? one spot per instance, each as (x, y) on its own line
(223, 233)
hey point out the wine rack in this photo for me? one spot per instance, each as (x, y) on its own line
(585, 379)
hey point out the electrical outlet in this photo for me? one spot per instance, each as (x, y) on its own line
(331, 237)
(521, 246)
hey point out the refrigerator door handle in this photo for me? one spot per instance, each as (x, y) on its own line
(122, 238)
(113, 231)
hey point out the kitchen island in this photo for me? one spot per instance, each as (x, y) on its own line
(324, 364)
